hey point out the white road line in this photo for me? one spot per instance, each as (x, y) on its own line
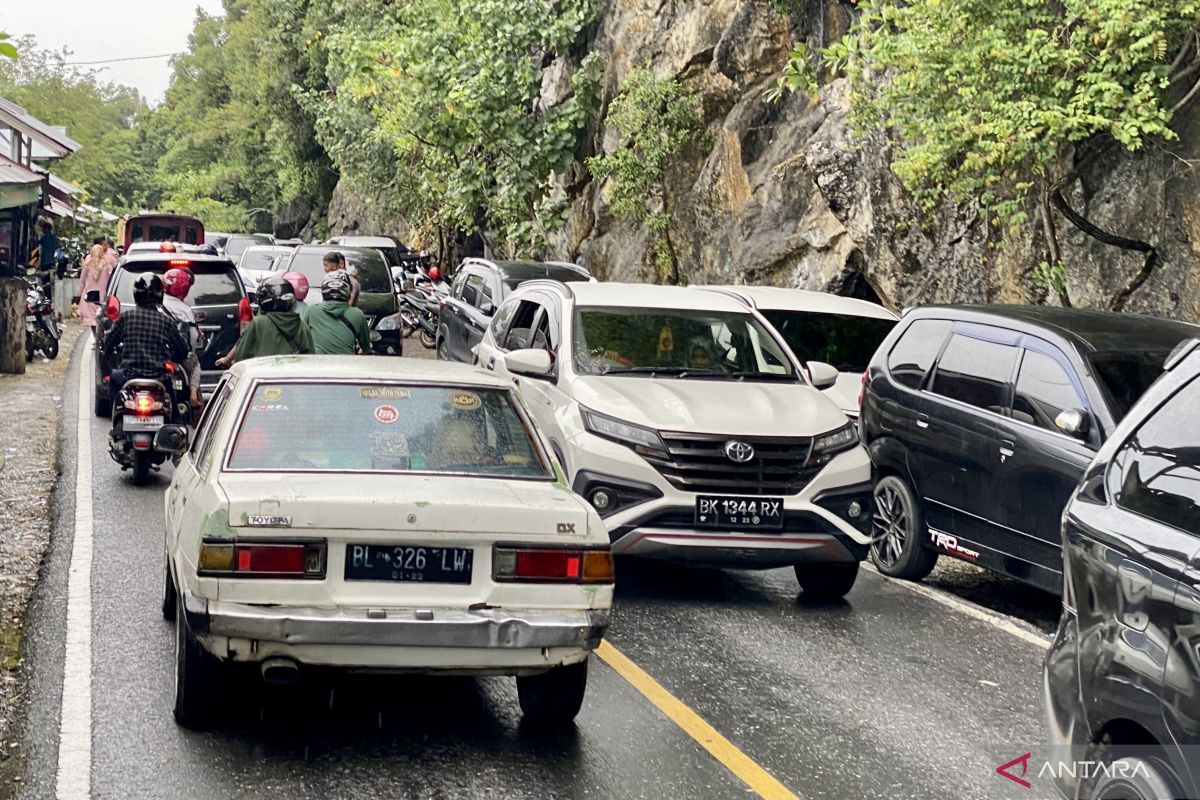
(998, 621)
(74, 780)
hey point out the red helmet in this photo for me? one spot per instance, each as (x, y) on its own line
(176, 283)
(435, 274)
(299, 284)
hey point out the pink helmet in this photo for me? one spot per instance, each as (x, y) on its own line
(176, 283)
(299, 284)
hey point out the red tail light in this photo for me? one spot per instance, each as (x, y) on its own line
(552, 565)
(245, 313)
(179, 262)
(262, 560)
(144, 404)
(112, 309)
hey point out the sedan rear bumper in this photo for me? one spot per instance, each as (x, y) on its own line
(480, 629)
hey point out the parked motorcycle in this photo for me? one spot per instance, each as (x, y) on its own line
(41, 323)
(148, 421)
(419, 311)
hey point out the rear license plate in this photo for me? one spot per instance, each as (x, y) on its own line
(142, 423)
(752, 513)
(408, 564)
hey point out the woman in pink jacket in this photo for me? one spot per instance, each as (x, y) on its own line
(93, 280)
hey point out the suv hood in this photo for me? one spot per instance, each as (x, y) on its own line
(372, 502)
(711, 406)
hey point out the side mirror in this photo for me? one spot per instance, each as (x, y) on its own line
(171, 439)
(823, 375)
(531, 362)
(1072, 422)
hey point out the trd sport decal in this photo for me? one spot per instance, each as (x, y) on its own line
(950, 545)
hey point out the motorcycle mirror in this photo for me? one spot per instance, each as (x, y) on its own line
(171, 439)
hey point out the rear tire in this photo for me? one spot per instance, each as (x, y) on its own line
(427, 340)
(1133, 778)
(554, 697)
(50, 348)
(897, 546)
(141, 467)
(196, 673)
(169, 598)
(443, 352)
(826, 581)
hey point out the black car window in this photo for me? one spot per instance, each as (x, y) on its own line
(847, 342)
(912, 356)
(1043, 391)
(1125, 376)
(500, 322)
(475, 291)
(460, 282)
(523, 333)
(212, 288)
(373, 274)
(975, 372)
(1157, 471)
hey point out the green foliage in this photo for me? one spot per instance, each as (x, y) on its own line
(655, 120)
(7, 48)
(1051, 276)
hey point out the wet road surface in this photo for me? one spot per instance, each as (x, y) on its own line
(888, 694)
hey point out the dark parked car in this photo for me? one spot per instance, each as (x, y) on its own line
(378, 296)
(981, 419)
(1122, 674)
(218, 300)
(480, 286)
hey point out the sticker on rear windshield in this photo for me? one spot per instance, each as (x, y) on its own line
(269, 407)
(386, 414)
(464, 401)
(383, 393)
(272, 394)
(389, 444)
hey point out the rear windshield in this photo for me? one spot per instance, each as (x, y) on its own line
(289, 427)
(215, 287)
(236, 245)
(258, 259)
(846, 342)
(1125, 376)
(373, 273)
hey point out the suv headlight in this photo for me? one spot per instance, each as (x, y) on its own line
(643, 440)
(827, 445)
(391, 323)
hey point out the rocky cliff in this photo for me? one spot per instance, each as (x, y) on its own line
(782, 194)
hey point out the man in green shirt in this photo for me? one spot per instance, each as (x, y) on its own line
(277, 330)
(337, 327)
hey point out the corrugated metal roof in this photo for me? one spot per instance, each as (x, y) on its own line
(54, 139)
(14, 174)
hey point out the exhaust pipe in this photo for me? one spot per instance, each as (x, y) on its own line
(280, 671)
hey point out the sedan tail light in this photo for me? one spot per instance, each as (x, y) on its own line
(552, 565)
(262, 559)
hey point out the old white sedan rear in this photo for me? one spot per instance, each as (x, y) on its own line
(384, 514)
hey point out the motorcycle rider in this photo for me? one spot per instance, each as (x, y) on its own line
(337, 327)
(176, 284)
(147, 335)
(300, 286)
(277, 330)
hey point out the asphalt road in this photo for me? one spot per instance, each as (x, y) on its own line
(892, 693)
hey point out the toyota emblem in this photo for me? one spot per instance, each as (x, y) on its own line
(739, 452)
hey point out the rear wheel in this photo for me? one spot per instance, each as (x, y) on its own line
(196, 673)
(443, 352)
(1133, 778)
(826, 581)
(169, 598)
(427, 340)
(897, 549)
(50, 348)
(141, 467)
(554, 697)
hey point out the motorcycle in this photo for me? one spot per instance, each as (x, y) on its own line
(149, 420)
(41, 323)
(419, 311)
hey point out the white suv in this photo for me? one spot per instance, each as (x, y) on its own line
(685, 421)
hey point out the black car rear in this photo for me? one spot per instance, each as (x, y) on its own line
(218, 299)
(980, 420)
(377, 297)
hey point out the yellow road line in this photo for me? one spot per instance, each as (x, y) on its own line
(758, 779)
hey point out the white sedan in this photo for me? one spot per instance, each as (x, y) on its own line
(382, 514)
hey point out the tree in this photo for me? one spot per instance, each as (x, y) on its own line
(1001, 102)
(655, 121)
(7, 48)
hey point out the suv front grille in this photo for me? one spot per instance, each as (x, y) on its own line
(697, 463)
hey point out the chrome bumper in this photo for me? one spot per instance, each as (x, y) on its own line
(490, 628)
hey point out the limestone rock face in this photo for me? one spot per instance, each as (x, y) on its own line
(351, 214)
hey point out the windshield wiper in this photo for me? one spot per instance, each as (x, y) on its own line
(651, 371)
(765, 376)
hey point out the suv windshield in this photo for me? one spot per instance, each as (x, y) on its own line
(1125, 376)
(385, 428)
(846, 342)
(373, 273)
(677, 343)
(214, 286)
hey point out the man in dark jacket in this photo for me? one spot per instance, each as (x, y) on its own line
(337, 327)
(148, 336)
(277, 330)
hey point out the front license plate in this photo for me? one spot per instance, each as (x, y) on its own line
(752, 513)
(408, 564)
(143, 423)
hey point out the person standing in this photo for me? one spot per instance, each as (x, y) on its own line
(277, 330)
(337, 327)
(334, 260)
(47, 244)
(93, 285)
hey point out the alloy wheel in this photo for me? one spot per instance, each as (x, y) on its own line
(891, 526)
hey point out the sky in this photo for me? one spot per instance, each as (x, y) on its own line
(102, 29)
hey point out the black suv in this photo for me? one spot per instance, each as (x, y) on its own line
(377, 294)
(1122, 674)
(980, 420)
(480, 286)
(218, 300)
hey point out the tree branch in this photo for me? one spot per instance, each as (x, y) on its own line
(1187, 98)
(1118, 300)
(1052, 239)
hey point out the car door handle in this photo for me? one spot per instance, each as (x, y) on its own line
(922, 421)
(1007, 450)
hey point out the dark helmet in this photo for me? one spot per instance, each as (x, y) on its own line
(148, 290)
(207, 249)
(275, 294)
(336, 286)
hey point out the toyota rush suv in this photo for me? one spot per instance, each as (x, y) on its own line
(981, 419)
(689, 427)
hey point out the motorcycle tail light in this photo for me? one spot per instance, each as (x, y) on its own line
(112, 309)
(143, 403)
(546, 565)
